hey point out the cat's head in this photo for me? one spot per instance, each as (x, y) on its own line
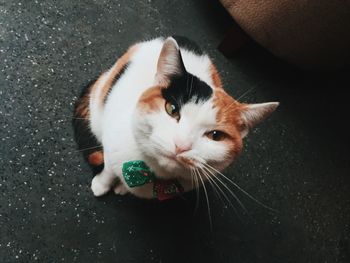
(183, 122)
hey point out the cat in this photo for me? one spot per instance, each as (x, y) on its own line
(162, 103)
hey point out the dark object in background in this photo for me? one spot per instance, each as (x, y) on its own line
(234, 40)
(309, 34)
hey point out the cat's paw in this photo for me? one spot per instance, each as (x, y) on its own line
(97, 187)
(120, 189)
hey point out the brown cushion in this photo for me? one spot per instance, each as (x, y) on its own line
(309, 33)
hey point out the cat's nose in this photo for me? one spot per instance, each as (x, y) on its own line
(181, 149)
(182, 146)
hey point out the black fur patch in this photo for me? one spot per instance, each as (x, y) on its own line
(116, 78)
(188, 44)
(185, 88)
(85, 139)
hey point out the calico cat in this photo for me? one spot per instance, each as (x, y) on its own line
(162, 108)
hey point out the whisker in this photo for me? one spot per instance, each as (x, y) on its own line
(187, 82)
(191, 86)
(245, 93)
(236, 100)
(241, 189)
(229, 190)
(211, 183)
(222, 192)
(90, 148)
(239, 98)
(229, 106)
(197, 190)
(80, 118)
(192, 179)
(206, 196)
(71, 116)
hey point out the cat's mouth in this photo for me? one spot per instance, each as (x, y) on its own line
(185, 161)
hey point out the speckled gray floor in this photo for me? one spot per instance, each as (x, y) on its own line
(297, 162)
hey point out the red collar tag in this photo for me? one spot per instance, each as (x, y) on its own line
(166, 189)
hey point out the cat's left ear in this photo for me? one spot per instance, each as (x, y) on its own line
(170, 62)
(253, 114)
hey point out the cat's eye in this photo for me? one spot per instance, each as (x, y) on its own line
(173, 110)
(216, 135)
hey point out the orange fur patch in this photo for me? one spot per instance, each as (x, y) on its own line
(115, 70)
(82, 108)
(229, 119)
(151, 99)
(215, 76)
(96, 158)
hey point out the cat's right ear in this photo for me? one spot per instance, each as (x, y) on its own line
(252, 114)
(169, 63)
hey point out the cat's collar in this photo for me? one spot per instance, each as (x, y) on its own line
(137, 173)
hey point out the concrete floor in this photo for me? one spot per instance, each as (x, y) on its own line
(297, 162)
